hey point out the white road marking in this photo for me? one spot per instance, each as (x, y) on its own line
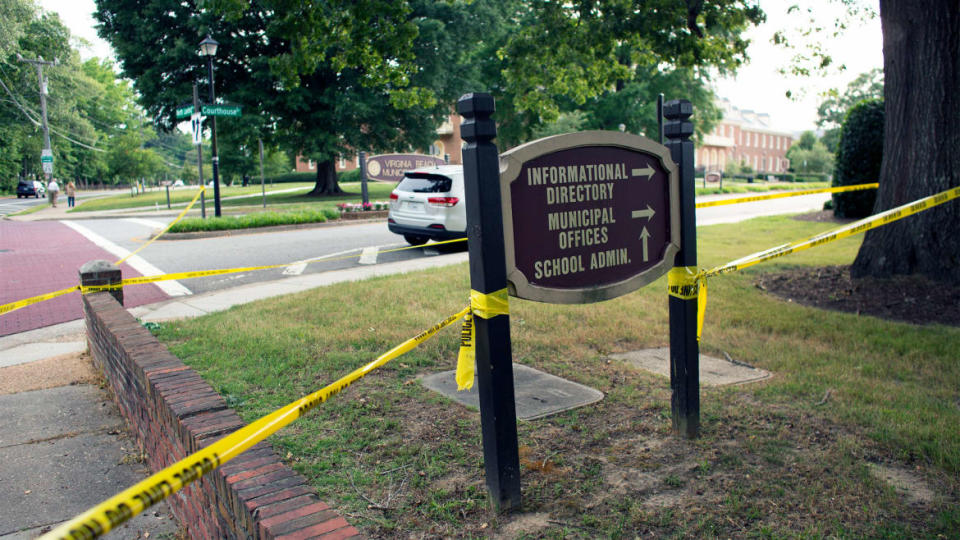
(172, 287)
(369, 255)
(147, 223)
(297, 267)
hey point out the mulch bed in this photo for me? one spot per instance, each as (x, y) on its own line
(912, 299)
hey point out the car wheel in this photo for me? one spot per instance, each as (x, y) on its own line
(415, 240)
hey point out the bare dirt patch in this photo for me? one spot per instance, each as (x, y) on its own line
(74, 368)
(912, 299)
(908, 485)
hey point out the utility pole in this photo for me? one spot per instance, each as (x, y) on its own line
(47, 154)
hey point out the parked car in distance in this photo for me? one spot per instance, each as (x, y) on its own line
(30, 188)
(428, 204)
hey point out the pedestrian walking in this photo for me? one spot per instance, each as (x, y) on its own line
(52, 191)
(71, 191)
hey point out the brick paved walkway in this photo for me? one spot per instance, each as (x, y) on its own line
(44, 256)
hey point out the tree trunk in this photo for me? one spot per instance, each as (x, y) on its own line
(326, 180)
(921, 149)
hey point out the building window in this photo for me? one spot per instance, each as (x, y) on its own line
(436, 149)
(343, 163)
(311, 165)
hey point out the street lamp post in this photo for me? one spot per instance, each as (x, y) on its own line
(208, 48)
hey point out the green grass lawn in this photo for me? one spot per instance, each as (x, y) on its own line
(298, 201)
(775, 460)
(757, 187)
(151, 199)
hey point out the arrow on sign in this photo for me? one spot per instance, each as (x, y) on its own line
(648, 213)
(644, 235)
(646, 171)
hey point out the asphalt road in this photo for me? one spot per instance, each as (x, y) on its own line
(344, 243)
(48, 244)
(13, 205)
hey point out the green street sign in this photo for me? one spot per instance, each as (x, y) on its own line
(185, 111)
(220, 110)
(46, 159)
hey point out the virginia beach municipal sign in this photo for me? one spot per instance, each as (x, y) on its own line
(390, 167)
(588, 216)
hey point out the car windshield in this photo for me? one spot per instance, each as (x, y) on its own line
(425, 183)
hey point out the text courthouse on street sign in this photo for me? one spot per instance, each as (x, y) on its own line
(588, 216)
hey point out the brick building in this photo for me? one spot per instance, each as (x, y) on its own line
(448, 144)
(747, 137)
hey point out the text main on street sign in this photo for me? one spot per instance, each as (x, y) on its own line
(184, 111)
(390, 167)
(220, 110)
(588, 216)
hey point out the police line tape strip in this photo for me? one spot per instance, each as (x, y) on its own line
(167, 228)
(485, 306)
(685, 284)
(6, 308)
(121, 507)
(797, 193)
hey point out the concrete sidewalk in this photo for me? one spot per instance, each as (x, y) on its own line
(64, 449)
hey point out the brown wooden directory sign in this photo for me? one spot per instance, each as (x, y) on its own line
(588, 216)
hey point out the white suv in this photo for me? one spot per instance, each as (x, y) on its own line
(428, 204)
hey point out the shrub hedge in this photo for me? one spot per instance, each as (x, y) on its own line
(344, 177)
(859, 154)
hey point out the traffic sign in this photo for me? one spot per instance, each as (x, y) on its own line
(220, 110)
(184, 111)
(588, 216)
(196, 128)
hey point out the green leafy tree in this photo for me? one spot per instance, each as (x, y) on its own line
(834, 108)
(859, 158)
(321, 79)
(594, 45)
(921, 44)
(921, 134)
(809, 155)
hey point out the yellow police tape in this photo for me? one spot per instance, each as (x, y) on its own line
(682, 280)
(482, 305)
(110, 513)
(796, 193)
(167, 228)
(685, 283)
(6, 308)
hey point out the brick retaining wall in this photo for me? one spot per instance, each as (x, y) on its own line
(173, 413)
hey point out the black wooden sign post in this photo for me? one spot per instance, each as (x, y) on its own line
(684, 349)
(498, 419)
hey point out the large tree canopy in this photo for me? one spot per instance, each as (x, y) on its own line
(921, 66)
(86, 104)
(331, 77)
(322, 79)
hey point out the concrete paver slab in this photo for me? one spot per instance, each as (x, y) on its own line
(713, 371)
(53, 445)
(46, 414)
(30, 352)
(537, 394)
